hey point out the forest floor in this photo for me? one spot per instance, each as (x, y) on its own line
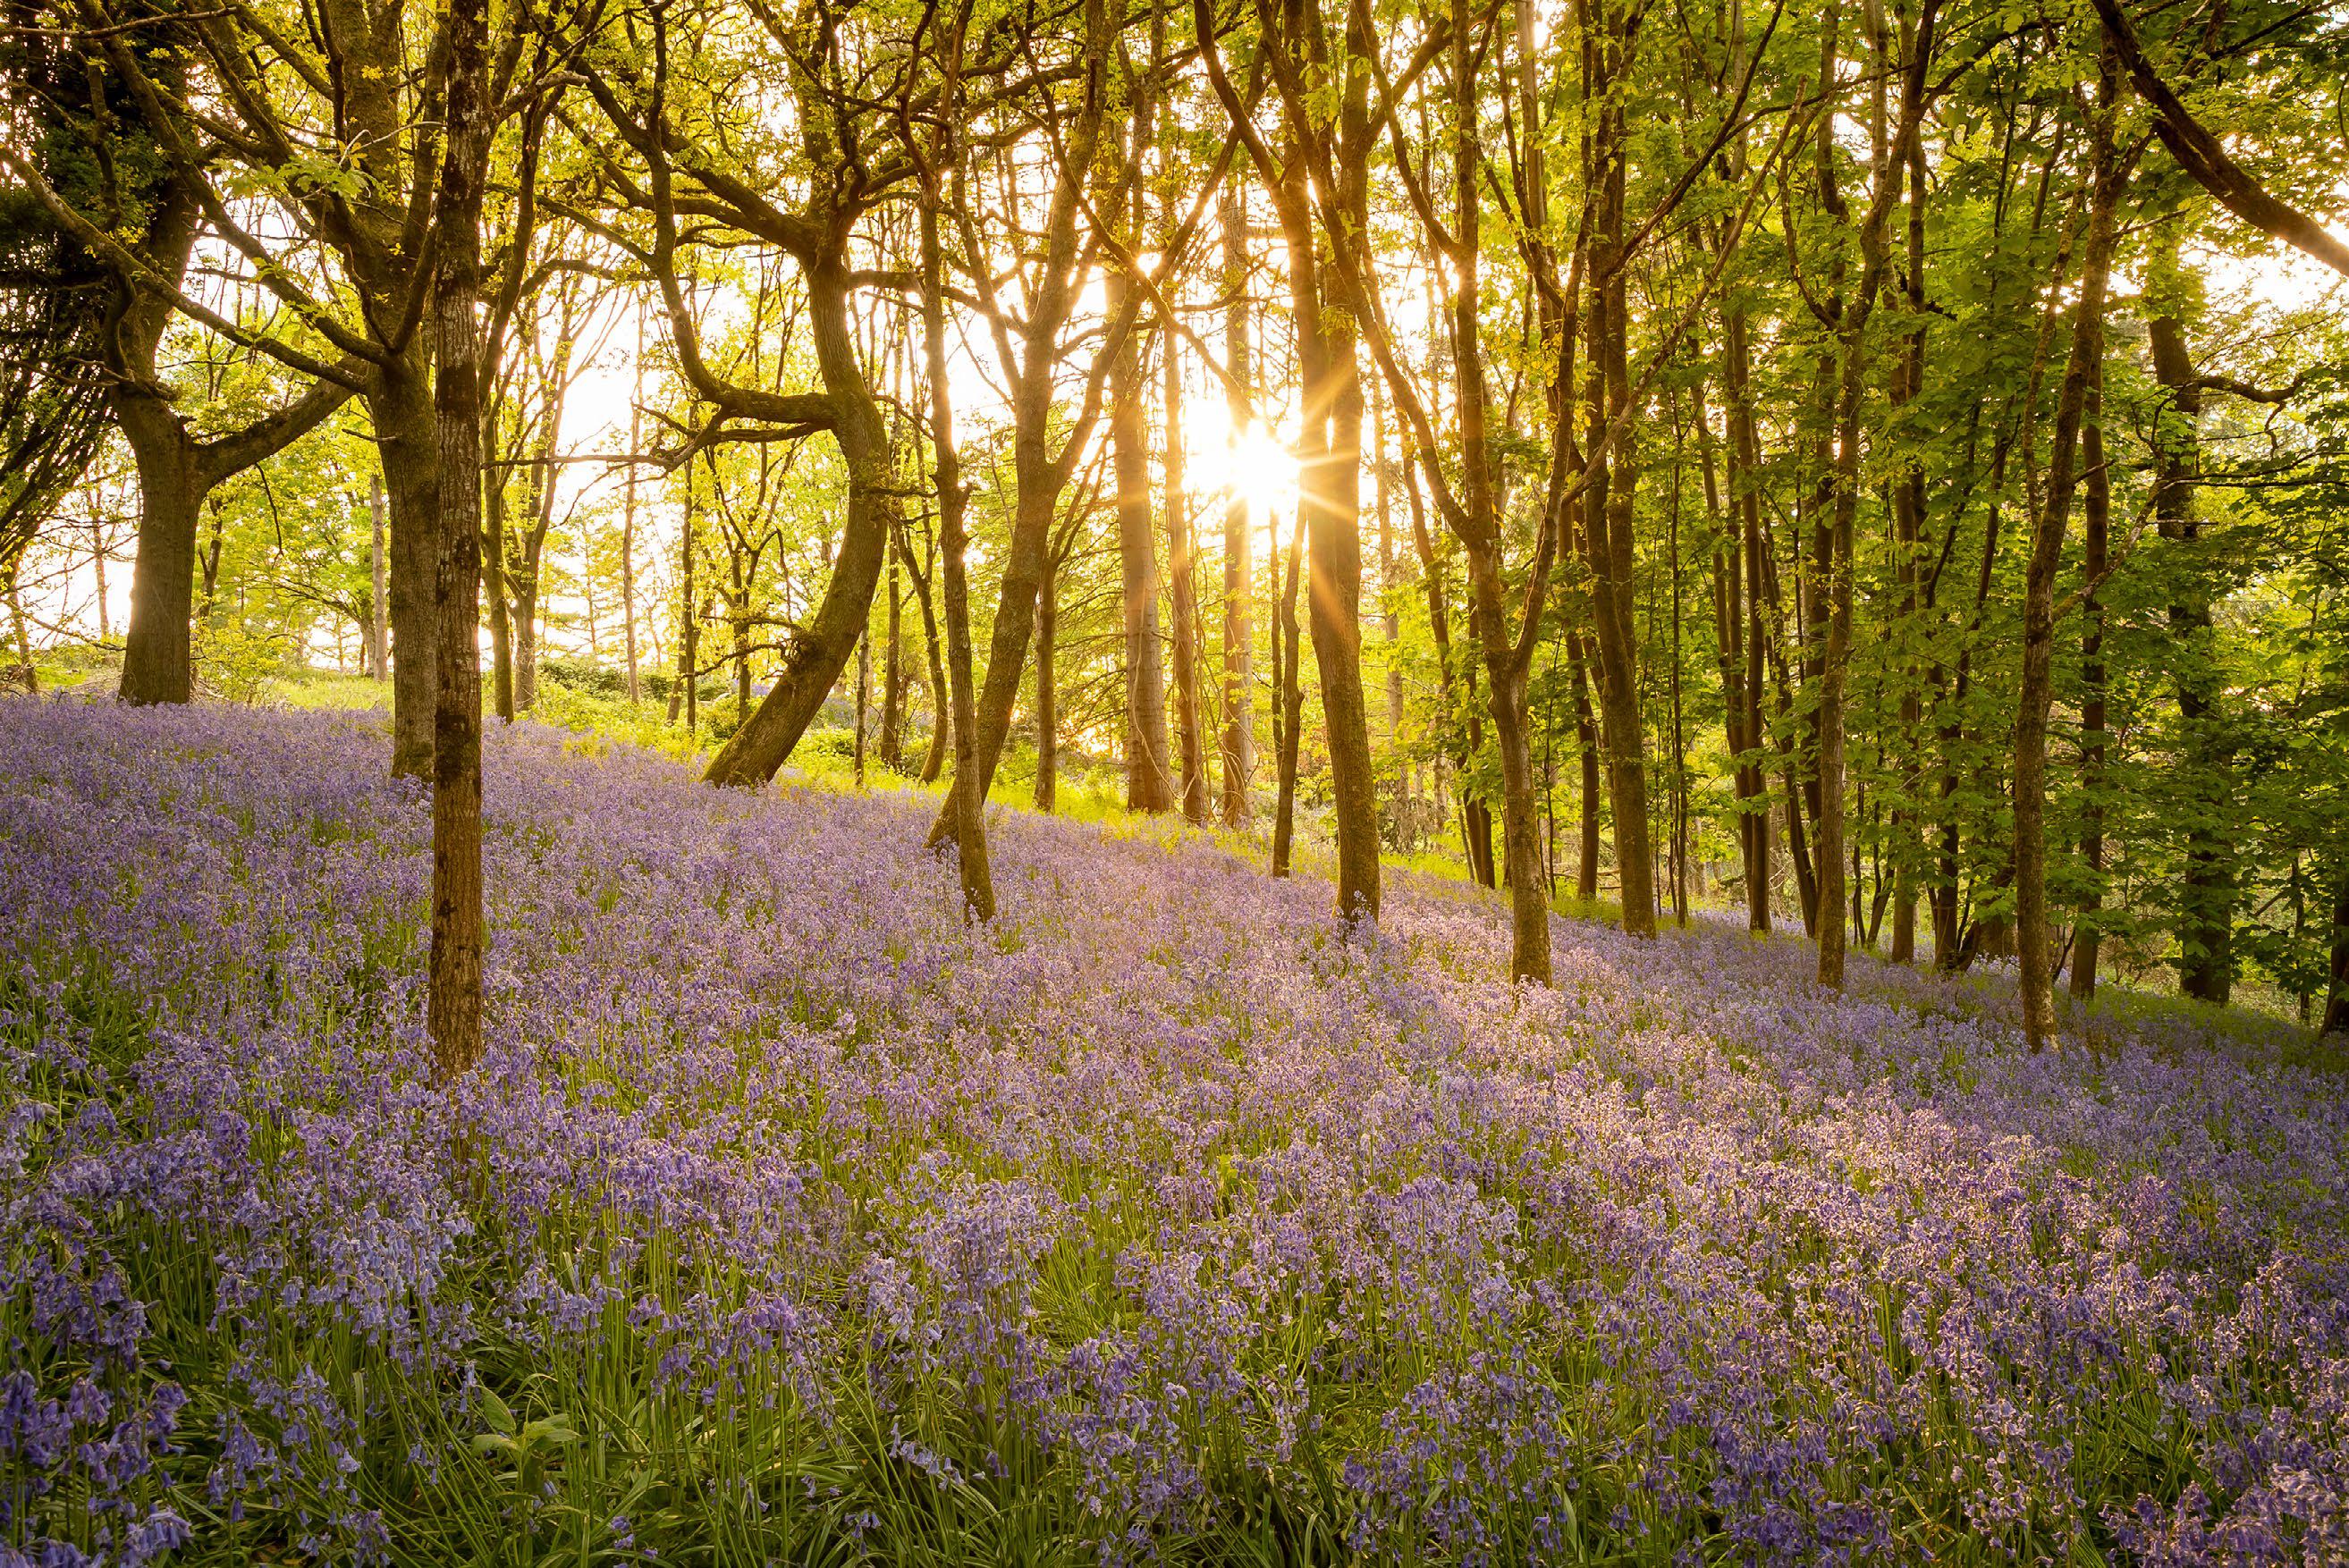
(792, 1220)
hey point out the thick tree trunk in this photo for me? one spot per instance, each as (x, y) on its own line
(157, 659)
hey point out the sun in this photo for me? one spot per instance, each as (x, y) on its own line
(1259, 471)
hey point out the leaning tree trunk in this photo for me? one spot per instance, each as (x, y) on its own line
(813, 659)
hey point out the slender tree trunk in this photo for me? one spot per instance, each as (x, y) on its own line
(689, 623)
(493, 584)
(628, 518)
(1333, 610)
(400, 406)
(1585, 738)
(1149, 780)
(970, 802)
(24, 637)
(1183, 575)
(1909, 501)
(1608, 510)
(1479, 529)
(893, 667)
(1289, 697)
(2336, 997)
(2033, 940)
(1239, 631)
(941, 698)
(2096, 517)
(378, 623)
(2206, 902)
(1048, 707)
(455, 997)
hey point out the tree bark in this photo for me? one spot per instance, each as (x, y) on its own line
(1288, 698)
(1183, 595)
(400, 406)
(378, 628)
(2095, 560)
(1048, 707)
(893, 667)
(455, 994)
(2033, 940)
(1239, 590)
(2206, 902)
(1608, 513)
(814, 658)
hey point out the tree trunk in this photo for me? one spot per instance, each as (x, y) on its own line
(813, 660)
(2034, 941)
(2336, 997)
(1182, 575)
(941, 699)
(1289, 700)
(970, 803)
(1239, 590)
(401, 404)
(494, 585)
(157, 661)
(455, 996)
(2206, 903)
(628, 519)
(1048, 707)
(1609, 502)
(1149, 780)
(893, 667)
(378, 628)
(1585, 738)
(17, 621)
(2096, 517)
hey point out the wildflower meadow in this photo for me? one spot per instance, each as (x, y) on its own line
(793, 1220)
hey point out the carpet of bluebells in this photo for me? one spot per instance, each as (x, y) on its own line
(791, 1220)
